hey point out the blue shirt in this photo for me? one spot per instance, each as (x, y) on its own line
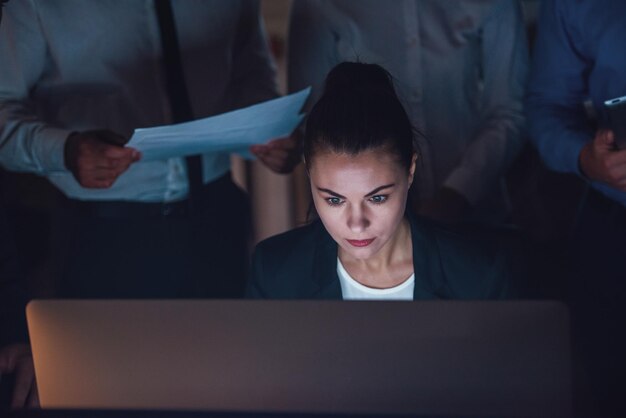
(580, 56)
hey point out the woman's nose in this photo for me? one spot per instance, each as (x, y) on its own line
(358, 220)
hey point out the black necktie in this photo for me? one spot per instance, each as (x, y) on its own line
(176, 87)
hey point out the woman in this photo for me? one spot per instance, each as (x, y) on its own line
(359, 153)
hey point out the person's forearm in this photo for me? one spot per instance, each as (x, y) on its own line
(27, 144)
(486, 159)
(557, 121)
(559, 133)
(499, 137)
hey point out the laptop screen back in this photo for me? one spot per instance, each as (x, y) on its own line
(471, 358)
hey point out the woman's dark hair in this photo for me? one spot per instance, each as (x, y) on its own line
(359, 111)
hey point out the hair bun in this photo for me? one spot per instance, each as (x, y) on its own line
(356, 76)
(359, 111)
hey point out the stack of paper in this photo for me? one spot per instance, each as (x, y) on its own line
(229, 132)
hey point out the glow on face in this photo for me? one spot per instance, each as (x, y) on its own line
(360, 198)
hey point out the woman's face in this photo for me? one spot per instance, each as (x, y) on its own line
(360, 198)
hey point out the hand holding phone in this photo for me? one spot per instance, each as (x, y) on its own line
(616, 109)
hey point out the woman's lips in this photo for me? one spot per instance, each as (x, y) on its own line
(360, 242)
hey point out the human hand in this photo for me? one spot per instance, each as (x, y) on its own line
(17, 358)
(600, 161)
(280, 155)
(97, 158)
(448, 206)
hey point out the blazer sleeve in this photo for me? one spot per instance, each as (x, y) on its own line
(284, 266)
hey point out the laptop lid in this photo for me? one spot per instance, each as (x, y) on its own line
(445, 358)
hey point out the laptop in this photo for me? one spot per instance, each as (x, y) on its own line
(420, 358)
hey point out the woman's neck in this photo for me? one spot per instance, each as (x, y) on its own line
(392, 265)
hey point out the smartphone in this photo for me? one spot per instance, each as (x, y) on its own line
(616, 109)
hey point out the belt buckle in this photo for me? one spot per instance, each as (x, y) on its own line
(175, 209)
(168, 209)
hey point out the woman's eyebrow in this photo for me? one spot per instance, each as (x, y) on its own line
(378, 189)
(373, 192)
(330, 192)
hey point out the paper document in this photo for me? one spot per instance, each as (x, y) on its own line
(229, 132)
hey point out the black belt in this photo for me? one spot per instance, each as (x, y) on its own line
(121, 209)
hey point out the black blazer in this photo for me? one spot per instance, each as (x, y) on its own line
(302, 264)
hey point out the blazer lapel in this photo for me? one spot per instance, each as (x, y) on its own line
(325, 282)
(429, 278)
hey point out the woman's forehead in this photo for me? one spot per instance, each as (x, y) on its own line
(366, 158)
(367, 167)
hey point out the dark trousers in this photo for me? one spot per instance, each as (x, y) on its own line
(13, 296)
(598, 303)
(138, 250)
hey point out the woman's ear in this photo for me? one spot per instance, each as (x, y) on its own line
(412, 168)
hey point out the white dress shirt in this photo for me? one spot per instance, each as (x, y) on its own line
(74, 65)
(460, 69)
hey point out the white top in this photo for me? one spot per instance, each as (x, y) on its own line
(73, 65)
(460, 70)
(353, 290)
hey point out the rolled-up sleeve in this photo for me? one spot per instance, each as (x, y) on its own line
(26, 142)
(501, 134)
(558, 124)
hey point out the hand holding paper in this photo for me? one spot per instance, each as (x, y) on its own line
(97, 158)
(234, 131)
(280, 155)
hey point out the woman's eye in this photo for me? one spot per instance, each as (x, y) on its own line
(333, 201)
(378, 198)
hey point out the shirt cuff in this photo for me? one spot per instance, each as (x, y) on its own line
(50, 150)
